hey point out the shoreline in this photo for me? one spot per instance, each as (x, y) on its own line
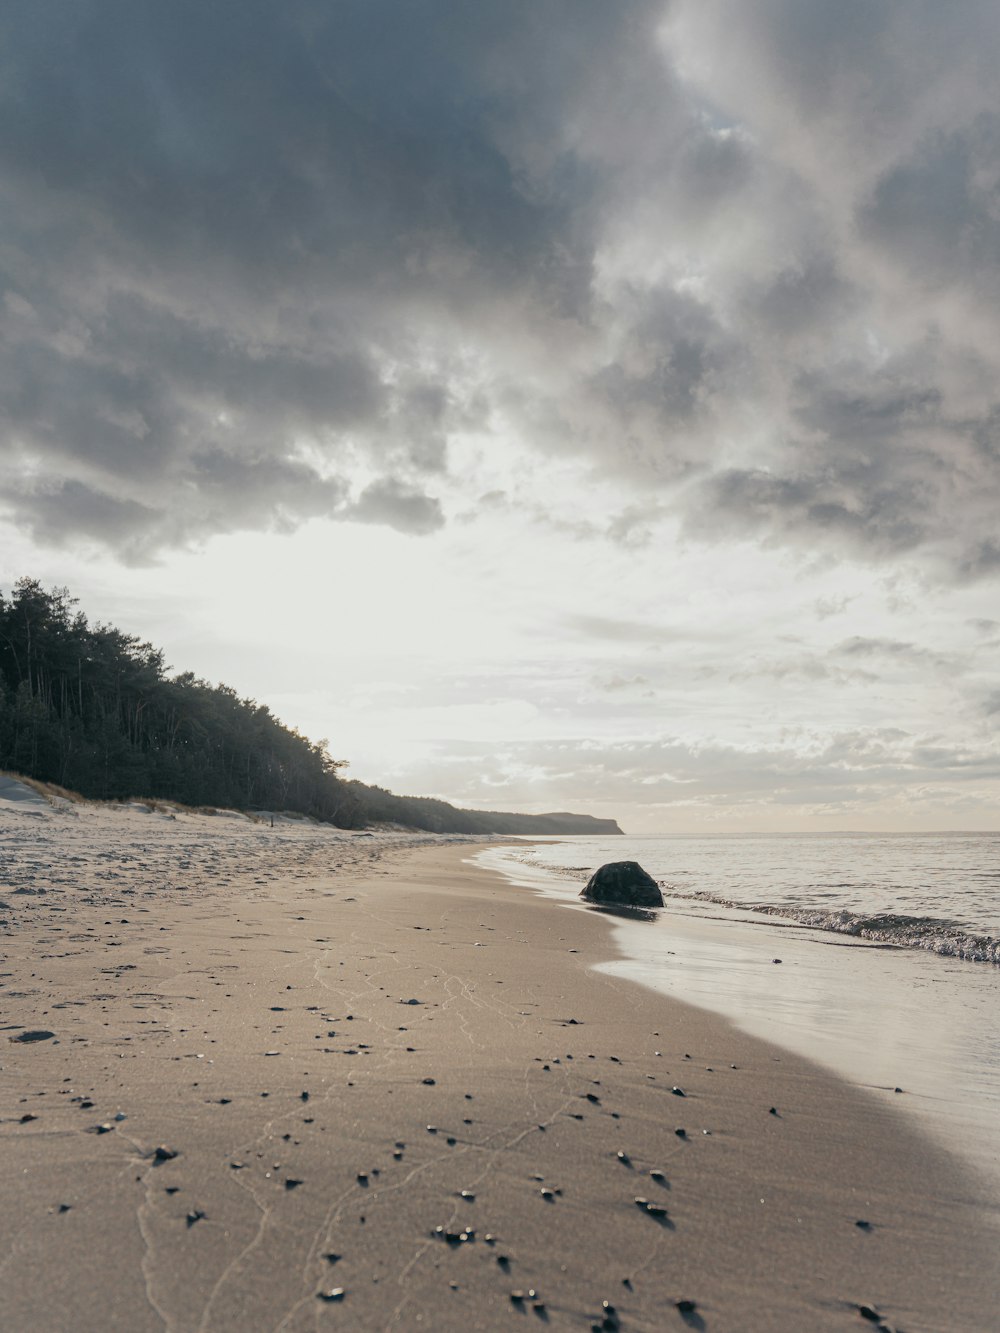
(856, 1008)
(206, 1015)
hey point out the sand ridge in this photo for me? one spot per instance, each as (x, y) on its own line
(347, 1059)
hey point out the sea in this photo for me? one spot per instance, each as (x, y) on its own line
(877, 956)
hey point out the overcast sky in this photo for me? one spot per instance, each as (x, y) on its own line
(557, 404)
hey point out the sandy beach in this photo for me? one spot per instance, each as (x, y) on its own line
(295, 1079)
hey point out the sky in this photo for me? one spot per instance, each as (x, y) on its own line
(556, 405)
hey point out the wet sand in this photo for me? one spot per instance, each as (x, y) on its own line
(396, 1096)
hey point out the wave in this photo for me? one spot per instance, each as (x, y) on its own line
(948, 938)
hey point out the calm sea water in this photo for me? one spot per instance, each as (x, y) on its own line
(888, 949)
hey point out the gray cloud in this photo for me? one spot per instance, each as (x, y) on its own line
(845, 772)
(262, 263)
(397, 506)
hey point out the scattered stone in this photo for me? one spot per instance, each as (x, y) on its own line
(362, 1177)
(291, 1183)
(33, 1034)
(334, 1294)
(195, 1215)
(864, 1225)
(678, 1092)
(106, 1128)
(681, 1133)
(28, 1117)
(164, 1154)
(332, 1258)
(428, 1081)
(685, 1306)
(775, 960)
(467, 1194)
(773, 1111)
(624, 1158)
(303, 1096)
(870, 1313)
(658, 1176)
(624, 883)
(65, 1207)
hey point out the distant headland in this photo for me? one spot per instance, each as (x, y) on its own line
(92, 709)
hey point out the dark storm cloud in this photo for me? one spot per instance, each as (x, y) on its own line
(230, 229)
(263, 262)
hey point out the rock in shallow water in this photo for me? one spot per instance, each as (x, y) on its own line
(623, 883)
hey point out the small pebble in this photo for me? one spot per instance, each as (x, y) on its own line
(194, 1216)
(334, 1294)
(685, 1306)
(870, 1313)
(678, 1092)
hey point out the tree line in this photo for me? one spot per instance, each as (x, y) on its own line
(92, 709)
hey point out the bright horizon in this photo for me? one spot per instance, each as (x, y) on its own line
(584, 408)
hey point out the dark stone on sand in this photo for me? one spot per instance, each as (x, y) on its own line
(194, 1216)
(28, 1117)
(870, 1313)
(336, 1294)
(33, 1034)
(291, 1183)
(686, 1306)
(623, 883)
(164, 1154)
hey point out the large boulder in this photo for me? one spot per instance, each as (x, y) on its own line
(624, 884)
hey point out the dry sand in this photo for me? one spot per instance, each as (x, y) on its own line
(347, 1053)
